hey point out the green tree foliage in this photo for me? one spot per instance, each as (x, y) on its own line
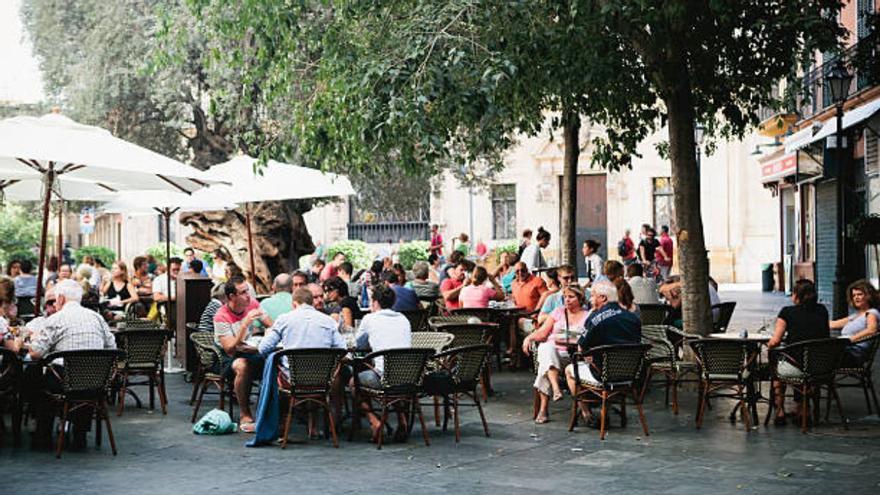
(158, 251)
(438, 83)
(105, 254)
(19, 233)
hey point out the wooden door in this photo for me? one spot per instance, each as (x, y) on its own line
(591, 219)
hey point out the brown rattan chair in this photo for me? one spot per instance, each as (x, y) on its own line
(727, 369)
(143, 358)
(618, 370)
(862, 376)
(209, 372)
(85, 381)
(816, 363)
(310, 381)
(654, 314)
(418, 319)
(465, 368)
(435, 322)
(438, 341)
(137, 324)
(10, 393)
(400, 385)
(664, 360)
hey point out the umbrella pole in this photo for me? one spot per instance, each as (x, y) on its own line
(44, 231)
(250, 237)
(60, 242)
(167, 214)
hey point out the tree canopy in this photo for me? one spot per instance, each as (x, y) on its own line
(447, 85)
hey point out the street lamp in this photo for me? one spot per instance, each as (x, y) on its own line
(837, 83)
(699, 134)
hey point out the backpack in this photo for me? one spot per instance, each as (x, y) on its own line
(622, 250)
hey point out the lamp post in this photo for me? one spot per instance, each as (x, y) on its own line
(699, 133)
(837, 83)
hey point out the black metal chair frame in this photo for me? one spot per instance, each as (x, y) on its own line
(142, 359)
(736, 375)
(613, 384)
(418, 319)
(863, 375)
(80, 390)
(664, 359)
(725, 314)
(310, 381)
(397, 390)
(818, 367)
(10, 393)
(209, 373)
(465, 368)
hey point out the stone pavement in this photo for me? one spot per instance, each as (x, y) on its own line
(159, 454)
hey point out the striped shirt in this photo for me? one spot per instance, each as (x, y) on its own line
(206, 322)
(73, 328)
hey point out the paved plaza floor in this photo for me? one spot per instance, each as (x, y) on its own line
(160, 454)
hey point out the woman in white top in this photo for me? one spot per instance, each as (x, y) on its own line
(531, 255)
(592, 260)
(863, 297)
(218, 268)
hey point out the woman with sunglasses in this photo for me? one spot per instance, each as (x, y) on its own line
(559, 329)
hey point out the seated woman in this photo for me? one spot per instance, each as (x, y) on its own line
(551, 278)
(558, 329)
(863, 298)
(477, 294)
(805, 320)
(119, 289)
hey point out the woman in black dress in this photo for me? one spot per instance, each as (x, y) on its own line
(119, 290)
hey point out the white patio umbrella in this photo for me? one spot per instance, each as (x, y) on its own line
(276, 182)
(55, 148)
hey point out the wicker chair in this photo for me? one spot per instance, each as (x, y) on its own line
(725, 313)
(654, 314)
(862, 375)
(10, 393)
(138, 324)
(663, 358)
(438, 341)
(312, 372)
(465, 367)
(618, 372)
(400, 384)
(418, 319)
(143, 357)
(817, 362)
(727, 369)
(85, 381)
(209, 371)
(435, 322)
(466, 334)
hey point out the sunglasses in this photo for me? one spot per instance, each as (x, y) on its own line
(50, 302)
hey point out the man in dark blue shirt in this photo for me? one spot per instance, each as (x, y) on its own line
(608, 324)
(406, 300)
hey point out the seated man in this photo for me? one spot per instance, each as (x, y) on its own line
(382, 329)
(451, 286)
(317, 297)
(218, 299)
(644, 290)
(26, 282)
(189, 255)
(281, 301)
(160, 283)
(71, 328)
(405, 299)
(608, 324)
(424, 288)
(233, 325)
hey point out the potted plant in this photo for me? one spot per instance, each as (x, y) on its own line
(865, 231)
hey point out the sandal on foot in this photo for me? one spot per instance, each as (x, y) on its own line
(541, 420)
(248, 427)
(557, 396)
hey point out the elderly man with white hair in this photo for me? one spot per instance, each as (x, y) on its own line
(608, 324)
(72, 327)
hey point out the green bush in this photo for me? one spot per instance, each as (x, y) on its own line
(358, 253)
(413, 251)
(21, 255)
(106, 255)
(19, 233)
(158, 251)
(510, 247)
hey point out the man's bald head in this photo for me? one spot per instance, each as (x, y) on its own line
(283, 283)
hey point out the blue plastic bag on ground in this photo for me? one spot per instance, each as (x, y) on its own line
(216, 422)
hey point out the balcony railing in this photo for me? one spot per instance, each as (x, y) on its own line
(383, 231)
(861, 59)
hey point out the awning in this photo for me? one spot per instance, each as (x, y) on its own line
(801, 138)
(779, 167)
(850, 118)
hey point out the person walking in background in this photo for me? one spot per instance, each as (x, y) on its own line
(524, 242)
(592, 260)
(436, 246)
(626, 249)
(532, 256)
(463, 246)
(665, 252)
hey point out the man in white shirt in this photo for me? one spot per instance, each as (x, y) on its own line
(160, 283)
(644, 290)
(382, 329)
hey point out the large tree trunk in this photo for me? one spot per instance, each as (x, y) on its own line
(280, 237)
(568, 201)
(693, 258)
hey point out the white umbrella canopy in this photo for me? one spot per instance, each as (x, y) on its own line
(153, 202)
(277, 182)
(33, 189)
(36, 144)
(54, 147)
